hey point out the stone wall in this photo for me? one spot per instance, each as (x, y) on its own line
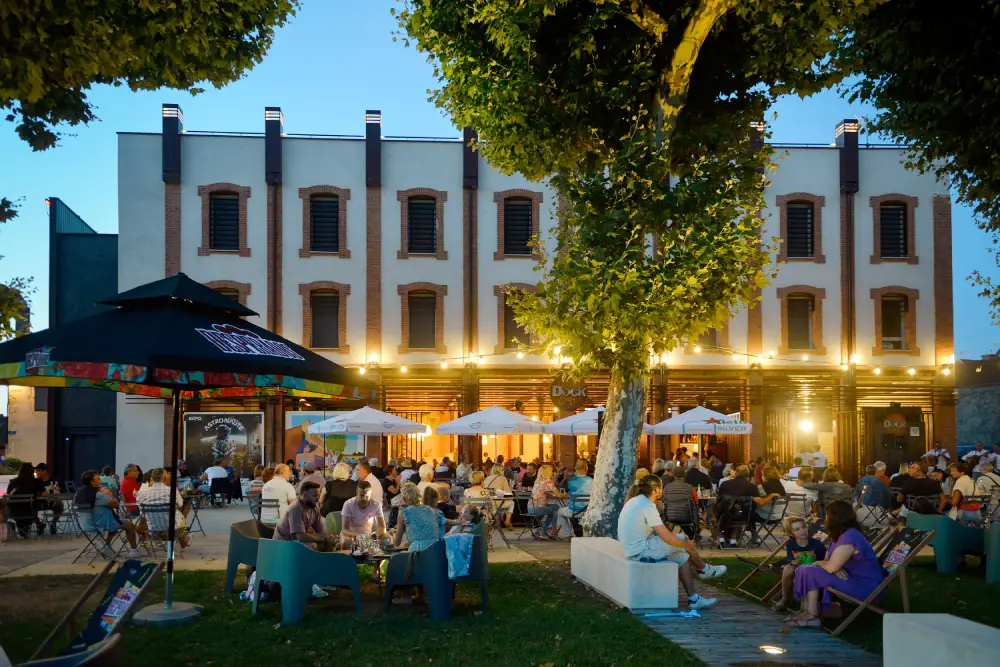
(978, 415)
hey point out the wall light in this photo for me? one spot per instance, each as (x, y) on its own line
(374, 358)
(444, 364)
(520, 355)
(362, 370)
(854, 358)
(546, 439)
(555, 410)
(735, 356)
(771, 354)
(697, 349)
(911, 371)
(877, 371)
(946, 371)
(805, 357)
(806, 425)
(402, 369)
(844, 367)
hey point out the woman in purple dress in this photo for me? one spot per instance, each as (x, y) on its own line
(851, 567)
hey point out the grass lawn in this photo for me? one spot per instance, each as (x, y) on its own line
(965, 595)
(538, 616)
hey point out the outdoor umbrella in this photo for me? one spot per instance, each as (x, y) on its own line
(583, 423)
(174, 338)
(702, 421)
(367, 421)
(491, 421)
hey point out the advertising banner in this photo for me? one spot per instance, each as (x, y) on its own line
(209, 436)
(302, 446)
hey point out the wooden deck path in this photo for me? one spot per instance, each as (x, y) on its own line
(731, 633)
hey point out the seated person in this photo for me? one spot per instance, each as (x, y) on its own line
(579, 485)
(97, 513)
(362, 516)
(418, 524)
(303, 523)
(339, 490)
(644, 538)
(432, 499)
(467, 520)
(109, 480)
(832, 488)
(677, 499)
(213, 472)
(543, 500)
(739, 486)
(772, 488)
(129, 488)
(851, 567)
(793, 474)
(24, 515)
(498, 482)
(278, 488)
(955, 502)
(799, 550)
(988, 482)
(871, 490)
(695, 476)
(158, 493)
(919, 485)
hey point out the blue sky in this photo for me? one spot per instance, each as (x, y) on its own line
(331, 63)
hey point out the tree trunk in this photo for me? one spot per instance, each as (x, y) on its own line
(617, 453)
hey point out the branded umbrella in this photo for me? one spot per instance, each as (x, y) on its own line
(583, 423)
(491, 421)
(367, 421)
(174, 338)
(702, 421)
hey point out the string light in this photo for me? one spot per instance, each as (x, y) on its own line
(402, 369)
(362, 370)
(520, 355)
(697, 349)
(805, 357)
(444, 364)
(911, 371)
(735, 356)
(946, 371)
(877, 371)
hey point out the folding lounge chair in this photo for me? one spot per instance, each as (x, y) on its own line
(896, 555)
(774, 562)
(776, 515)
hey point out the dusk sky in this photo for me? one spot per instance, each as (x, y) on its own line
(333, 61)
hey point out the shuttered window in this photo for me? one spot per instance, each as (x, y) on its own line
(229, 293)
(423, 324)
(800, 314)
(893, 317)
(892, 231)
(324, 223)
(325, 307)
(708, 340)
(514, 335)
(224, 221)
(800, 230)
(517, 227)
(421, 214)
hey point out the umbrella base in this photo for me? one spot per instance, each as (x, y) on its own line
(158, 616)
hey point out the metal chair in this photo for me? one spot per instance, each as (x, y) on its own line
(734, 516)
(269, 504)
(776, 515)
(100, 542)
(22, 513)
(220, 487)
(799, 505)
(157, 517)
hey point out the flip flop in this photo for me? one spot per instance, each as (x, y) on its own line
(805, 624)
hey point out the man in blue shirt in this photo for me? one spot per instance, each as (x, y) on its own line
(579, 495)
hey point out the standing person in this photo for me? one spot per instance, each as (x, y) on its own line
(644, 538)
(818, 458)
(851, 567)
(799, 550)
(280, 489)
(942, 457)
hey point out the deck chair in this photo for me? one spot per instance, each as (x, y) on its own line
(896, 555)
(22, 513)
(108, 653)
(776, 515)
(121, 598)
(775, 561)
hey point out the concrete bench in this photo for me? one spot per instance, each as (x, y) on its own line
(600, 563)
(935, 640)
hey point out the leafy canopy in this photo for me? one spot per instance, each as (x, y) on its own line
(933, 76)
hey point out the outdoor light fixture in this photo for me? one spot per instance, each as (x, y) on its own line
(844, 367)
(912, 371)
(664, 358)
(427, 431)
(806, 426)
(362, 370)
(805, 357)
(951, 358)
(402, 369)
(771, 354)
(534, 419)
(946, 371)
(854, 358)
(772, 650)
(444, 364)
(697, 349)
(555, 410)
(546, 439)
(374, 358)
(520, 355)
(877, 371)
(735, 356)
(485, 440)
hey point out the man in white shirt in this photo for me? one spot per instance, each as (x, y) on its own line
(977, 457)
(408, 472)
(463, 469)
(158, 493)
(942, 457)
(215, 471)
(280, 489)
(989, 481)
(818, 458)
(793, 474)
(365, 474)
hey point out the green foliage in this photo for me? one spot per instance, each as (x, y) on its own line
(933, 76)
(15, 295)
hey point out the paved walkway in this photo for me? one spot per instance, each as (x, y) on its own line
(733, 632)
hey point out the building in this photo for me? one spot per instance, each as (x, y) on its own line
(73, 430)
(392, 255)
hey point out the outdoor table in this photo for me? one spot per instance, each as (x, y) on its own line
(193, 502)
(375, 558)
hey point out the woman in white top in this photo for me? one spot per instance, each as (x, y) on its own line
(961, 509)
(497, 482)
(426, 473)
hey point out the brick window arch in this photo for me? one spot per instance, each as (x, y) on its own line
(906, 299)
(802, 204)
(230, 288)
(891, 203)
(439, 292)
(342, 291)
(816, 296)
(220, 191)
(343, 195)
(504, 343)
(535, 203)
(439, 197)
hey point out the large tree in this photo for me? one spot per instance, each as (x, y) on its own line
(52, 53)
(640, 113)
(933, 76)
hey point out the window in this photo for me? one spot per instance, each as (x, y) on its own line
(800, 316)
(708, 340)
(324, 223)
(800, 233)
(517, 226)
(229, 293)
(894, 309)
(423, 325)
(892, 231)
(224, 221)
(514, 335)
(421, 226)
(325, 307)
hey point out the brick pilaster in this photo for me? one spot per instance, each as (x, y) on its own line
(172, 227)
(470, 273)
(848, 309)
(755, 325)
(274, 257)
(944, 325)
(373, 271)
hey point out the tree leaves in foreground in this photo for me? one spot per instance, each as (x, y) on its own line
(934, 77)
(52, 53)
(643, 113)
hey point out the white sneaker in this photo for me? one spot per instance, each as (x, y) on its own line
(134, 553)
(318, 592)
(702, 603)
(712, 572)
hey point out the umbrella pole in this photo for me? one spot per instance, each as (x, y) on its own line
(169, 612)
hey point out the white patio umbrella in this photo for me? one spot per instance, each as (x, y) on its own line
(367, 421)
(583, 423)
(491, 421)
(702, 421)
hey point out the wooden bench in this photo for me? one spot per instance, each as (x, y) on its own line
(935, 640)
(600, 563)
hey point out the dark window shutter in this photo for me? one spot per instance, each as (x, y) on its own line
(229, 293)
(421, 214)
(800, 230)
(423, 325)
(517, 227)
(893, 329)
(325, 307)
(892, 230)
(514, 335)
(324, 223)
(708, 340)
(800, 311)
(224, 221)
